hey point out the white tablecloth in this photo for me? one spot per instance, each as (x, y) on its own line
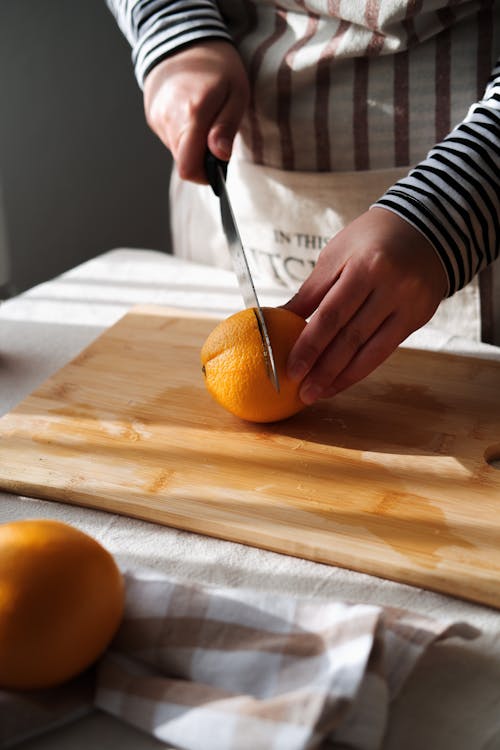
(453, 698)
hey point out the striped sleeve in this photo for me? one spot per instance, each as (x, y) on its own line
(157, 28)
(453, 196)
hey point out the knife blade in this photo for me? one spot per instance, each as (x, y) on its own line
(216, 173)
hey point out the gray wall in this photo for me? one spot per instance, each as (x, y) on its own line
(80, 172)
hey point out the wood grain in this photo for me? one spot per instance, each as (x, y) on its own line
(390, 477)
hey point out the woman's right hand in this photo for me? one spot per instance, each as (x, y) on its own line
(194, 99)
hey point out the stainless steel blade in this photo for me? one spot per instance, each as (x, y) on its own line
(244, 276)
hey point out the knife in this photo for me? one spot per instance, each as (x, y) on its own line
(216, 172)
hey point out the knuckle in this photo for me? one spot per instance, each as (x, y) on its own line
(352, 337)
(344, 382)
(324, 382)
(349, 376)
(324, 371)
(225, 128)
(193, 108)
(379, 263)
(187, 171)
(327, 318)
(200, 103)
(310, 353)
(183, 172)
(155, 118)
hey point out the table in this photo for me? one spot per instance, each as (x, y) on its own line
(452, 700)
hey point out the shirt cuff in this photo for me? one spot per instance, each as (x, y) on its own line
(162, 33)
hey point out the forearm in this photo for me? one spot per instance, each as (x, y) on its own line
(156, 30)
(453, 196)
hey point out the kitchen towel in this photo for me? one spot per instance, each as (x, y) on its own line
(204, 668)
(220, 669)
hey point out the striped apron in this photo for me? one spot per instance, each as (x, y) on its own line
(345, 98)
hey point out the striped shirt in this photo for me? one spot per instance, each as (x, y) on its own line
(341, 86)
(453, 196)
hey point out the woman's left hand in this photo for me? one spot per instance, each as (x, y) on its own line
(375, 282)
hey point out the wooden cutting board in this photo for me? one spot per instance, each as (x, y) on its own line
(390, 478)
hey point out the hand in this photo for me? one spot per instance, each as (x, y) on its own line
(196, 98)
(375, 282)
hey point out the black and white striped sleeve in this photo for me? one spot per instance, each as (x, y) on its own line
(453, 196)
(157, 28)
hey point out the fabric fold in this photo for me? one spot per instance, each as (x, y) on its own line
(230, 670)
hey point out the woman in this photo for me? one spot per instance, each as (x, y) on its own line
(333, 103)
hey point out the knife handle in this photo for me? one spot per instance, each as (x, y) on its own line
(211, 168)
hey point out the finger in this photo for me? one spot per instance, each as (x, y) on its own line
(216, 124)
(189, 153)
(189, 135)
(312, 291)
(340, 304)
(226, 124)
(380, 346)
(345, 346)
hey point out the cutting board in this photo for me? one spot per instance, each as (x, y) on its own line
(394, 477)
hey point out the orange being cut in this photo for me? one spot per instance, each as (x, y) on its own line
(234, 365)
(61, 601)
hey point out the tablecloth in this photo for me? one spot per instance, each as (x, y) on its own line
(452, 699)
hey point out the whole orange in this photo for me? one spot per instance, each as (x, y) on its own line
(234, 365)
(61, 601)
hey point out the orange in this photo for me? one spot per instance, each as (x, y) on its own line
(234, 366)
(61, 601)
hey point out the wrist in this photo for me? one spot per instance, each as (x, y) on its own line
(410, 235)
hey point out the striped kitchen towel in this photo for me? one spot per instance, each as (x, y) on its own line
(220, 669)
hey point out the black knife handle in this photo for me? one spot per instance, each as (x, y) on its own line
(211, 164)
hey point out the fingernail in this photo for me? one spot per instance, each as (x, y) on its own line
(310, 393)
(297, 369)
